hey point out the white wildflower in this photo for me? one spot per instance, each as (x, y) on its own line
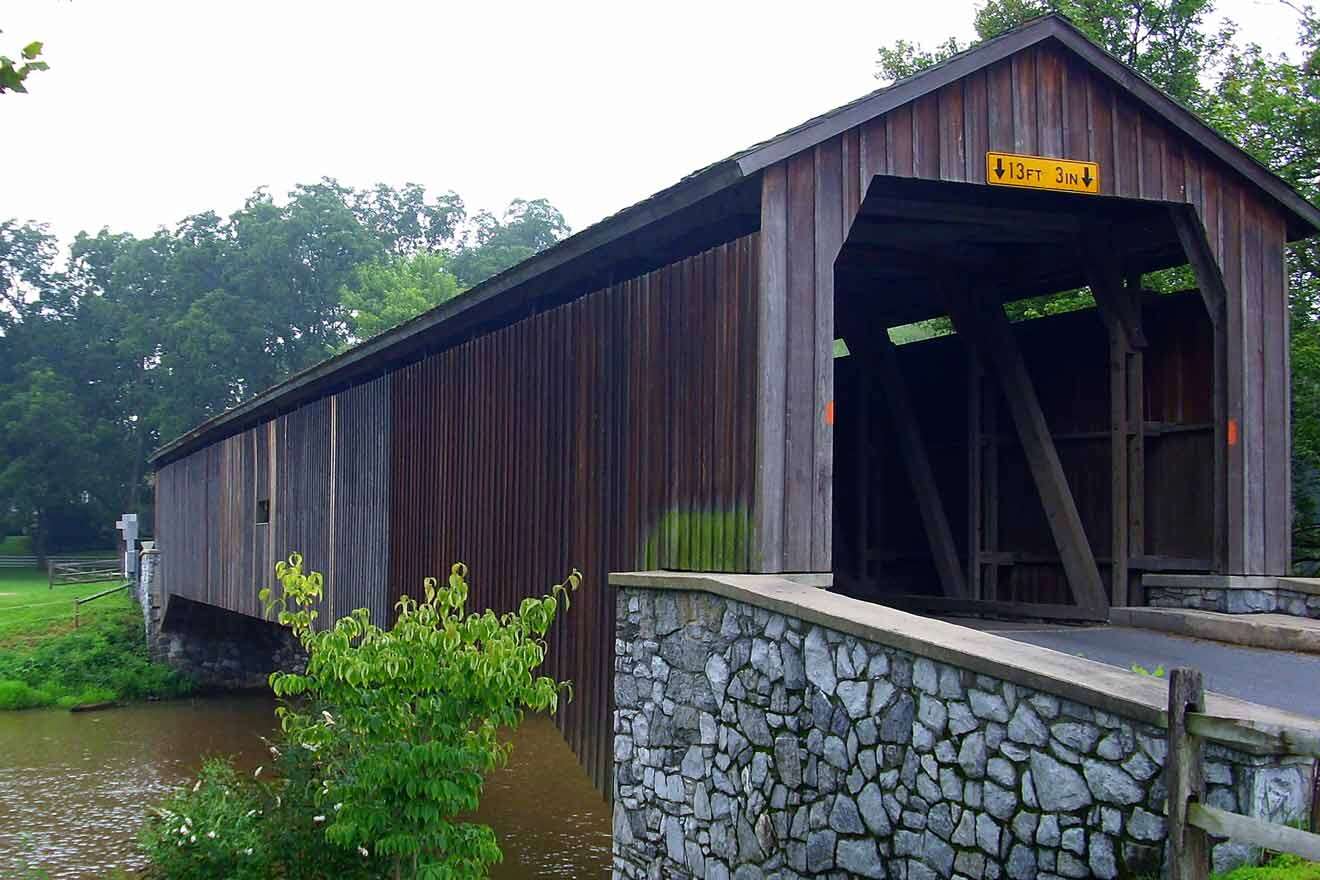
(329, 720)
(318, 818)
(183, 829)
(192, 839)
(362, 850)
(257, 772)
(338, 807)
(197, 786)
(251, 813)
(274, 752)
(311, 747)
(210, 835)
(248, 851)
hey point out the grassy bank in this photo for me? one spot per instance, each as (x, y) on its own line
(45, 661)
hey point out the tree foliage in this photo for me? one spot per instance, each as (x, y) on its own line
(148, 336)
(14, 73)
(385, 293)
(404, 723)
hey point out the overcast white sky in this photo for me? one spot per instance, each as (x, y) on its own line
(155, 110)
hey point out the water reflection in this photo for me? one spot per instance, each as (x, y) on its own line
(73, 787)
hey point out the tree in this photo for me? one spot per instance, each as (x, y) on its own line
(495, 244)
(155, 334)
(44, 456)
(1164, 39)
(384, 293)
(14, 74)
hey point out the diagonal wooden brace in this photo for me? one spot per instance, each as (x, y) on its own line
(985, 327)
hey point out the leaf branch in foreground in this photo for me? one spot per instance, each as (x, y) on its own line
(406, 722)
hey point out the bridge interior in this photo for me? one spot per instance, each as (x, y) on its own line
(1034, 466)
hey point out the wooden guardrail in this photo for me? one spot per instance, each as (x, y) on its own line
(18, 562)
(83, 571)
(1191, 821)
(79, 603)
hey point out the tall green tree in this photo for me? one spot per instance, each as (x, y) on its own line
(382, 294)
(498, 243)
(147, 336)
(44, 450)
(1166, 40)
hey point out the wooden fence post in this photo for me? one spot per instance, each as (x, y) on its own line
(1189, 851)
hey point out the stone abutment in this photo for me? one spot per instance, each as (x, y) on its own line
(765, 728)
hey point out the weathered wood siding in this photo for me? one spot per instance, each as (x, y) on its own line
(1042, 101)
(885, 548)
(324, 470)
(612, 433)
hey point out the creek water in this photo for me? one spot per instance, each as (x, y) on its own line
(74, 787)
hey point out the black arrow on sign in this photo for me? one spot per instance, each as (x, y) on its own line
(1086, 176)
(999, 166)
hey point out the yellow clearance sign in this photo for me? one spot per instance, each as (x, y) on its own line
(1038, 172)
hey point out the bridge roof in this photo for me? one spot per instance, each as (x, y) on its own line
(721, 191)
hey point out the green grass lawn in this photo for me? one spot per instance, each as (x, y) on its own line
(30, 611)
(45, 660)
(1281, 867)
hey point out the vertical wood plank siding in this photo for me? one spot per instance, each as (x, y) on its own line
(1043, 101)
(612, 433)
(323, 468)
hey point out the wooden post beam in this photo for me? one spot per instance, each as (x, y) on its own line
(1214, 293)
(1189, 853)
(975, 515)
(922, 476)
(1120, 309)
(985, 326)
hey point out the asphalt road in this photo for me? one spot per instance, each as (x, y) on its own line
(1276, 678)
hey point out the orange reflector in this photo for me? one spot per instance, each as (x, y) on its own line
(829, 413)
(1232, 432)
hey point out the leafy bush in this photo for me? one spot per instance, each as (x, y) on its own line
(386, 739)
(209, 831)
(232, 825)
(21, 695)
(406, 722)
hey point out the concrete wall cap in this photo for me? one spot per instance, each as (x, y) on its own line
(1211, 581)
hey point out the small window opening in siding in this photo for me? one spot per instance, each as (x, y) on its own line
(263, 511)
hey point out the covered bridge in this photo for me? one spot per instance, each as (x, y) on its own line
(661, 389)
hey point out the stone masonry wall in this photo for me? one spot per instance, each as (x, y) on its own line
(1235, 601)
(749, 744)
(215, 647)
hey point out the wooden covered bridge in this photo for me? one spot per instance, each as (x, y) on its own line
(661, 389)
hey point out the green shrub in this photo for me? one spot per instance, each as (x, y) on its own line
(405, 723)
(210, 830)
(21, 695)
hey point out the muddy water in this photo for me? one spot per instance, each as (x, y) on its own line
(73, 787)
